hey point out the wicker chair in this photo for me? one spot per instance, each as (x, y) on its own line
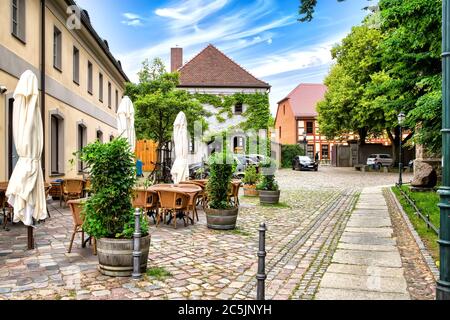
(147, 201)
(72, 189)
(7, 210)
(200, 196)
(76, 207)
(174, 203)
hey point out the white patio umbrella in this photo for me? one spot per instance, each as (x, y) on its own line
(25, 191)
(125, 121)
(180, 168)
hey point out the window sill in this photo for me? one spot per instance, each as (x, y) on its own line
(57, 68)
(76, 82)
(56, 175)
(19, 38)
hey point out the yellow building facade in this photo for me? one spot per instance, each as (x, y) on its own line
(80, 82)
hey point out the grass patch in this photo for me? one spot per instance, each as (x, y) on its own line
(239, 232)
(281, 205)
(427, 202)
(158, 273)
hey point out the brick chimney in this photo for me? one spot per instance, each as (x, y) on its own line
(176, 59)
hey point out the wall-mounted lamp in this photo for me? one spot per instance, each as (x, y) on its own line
(3, 89)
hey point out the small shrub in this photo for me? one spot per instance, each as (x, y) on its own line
(288, 152)
(109, 212)
(268, 182)
(251, 176)
(221, 166)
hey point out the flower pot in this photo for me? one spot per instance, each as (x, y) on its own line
(269, 197)
(219, 219)
(250, 190)
(115, 256)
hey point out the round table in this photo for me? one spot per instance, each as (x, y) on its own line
(191, 190)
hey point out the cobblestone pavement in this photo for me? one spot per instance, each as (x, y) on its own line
(203, 264)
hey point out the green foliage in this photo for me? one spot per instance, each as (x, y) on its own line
(221, 166)
(268, 182)
(158, 273)
(390, 63)
(251, 176)
(288, 152)
(109, 212)
(158, 101)
(257, 113)
(307, 8)
(427, 202)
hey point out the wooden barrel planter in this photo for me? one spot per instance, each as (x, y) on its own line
(269, 197)
(221, 219)
(115, 256)
(250, 190)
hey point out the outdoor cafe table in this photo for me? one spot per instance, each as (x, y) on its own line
(191, 190)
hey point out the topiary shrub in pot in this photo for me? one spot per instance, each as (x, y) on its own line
(269, 192)
(221, 214)
(108, 215)
(250, 180)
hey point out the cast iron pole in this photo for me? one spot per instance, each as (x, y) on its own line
(400, 164)
(443, 284)
(261, 275)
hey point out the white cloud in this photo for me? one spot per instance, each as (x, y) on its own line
(133, 20)
(193, 30)
(269, 41)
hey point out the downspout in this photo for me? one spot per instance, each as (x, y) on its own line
(43, 88)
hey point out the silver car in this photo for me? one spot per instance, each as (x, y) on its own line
(380, 160)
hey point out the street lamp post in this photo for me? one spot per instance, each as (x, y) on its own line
(401, 119)
(443, 284)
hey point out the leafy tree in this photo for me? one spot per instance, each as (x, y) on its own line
(390, 64)
(158, 102)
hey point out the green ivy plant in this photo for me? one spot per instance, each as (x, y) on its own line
(257, 112)
(109, 212)
(221, 166)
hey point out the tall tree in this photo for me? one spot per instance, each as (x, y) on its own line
(158, 101)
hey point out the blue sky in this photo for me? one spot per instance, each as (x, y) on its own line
(263, 36)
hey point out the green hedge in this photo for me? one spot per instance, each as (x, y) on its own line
(288, 152)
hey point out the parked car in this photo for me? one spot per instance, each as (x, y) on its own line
(258, 158)
(380, 160)
(198, 171)
(304, 163)
(242, 162)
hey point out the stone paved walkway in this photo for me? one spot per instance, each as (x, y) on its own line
(304, 232)
(367, 263)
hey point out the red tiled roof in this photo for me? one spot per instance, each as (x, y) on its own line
(212, 68)
(304, 99)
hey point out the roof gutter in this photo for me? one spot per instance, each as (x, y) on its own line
(43, 84)
(86, 22)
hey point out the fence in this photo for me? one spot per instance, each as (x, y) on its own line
(146, 150)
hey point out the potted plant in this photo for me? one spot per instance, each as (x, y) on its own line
(221, 214)
(269, 192)
(251, 178)
(108, 214)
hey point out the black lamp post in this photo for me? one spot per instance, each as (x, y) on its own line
(401, 120)
(443, 284)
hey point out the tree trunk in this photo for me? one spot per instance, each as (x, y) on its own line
(362, 136)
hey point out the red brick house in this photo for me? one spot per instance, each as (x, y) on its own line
(297, 118)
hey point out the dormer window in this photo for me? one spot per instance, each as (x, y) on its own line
(238, 108)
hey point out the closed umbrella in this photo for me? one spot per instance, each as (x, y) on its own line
(125, 121)
(180, 168)
(26, 192)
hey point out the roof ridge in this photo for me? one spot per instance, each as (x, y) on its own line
(237, 64)
(226, 57)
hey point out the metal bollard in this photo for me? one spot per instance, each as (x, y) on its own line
(261, 275)
(137, 245)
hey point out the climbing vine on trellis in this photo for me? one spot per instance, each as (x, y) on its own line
(257, 113)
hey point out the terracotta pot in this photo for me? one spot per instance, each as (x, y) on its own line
(250, 190)
(115, 256)
(219, 219)
(269, 197)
